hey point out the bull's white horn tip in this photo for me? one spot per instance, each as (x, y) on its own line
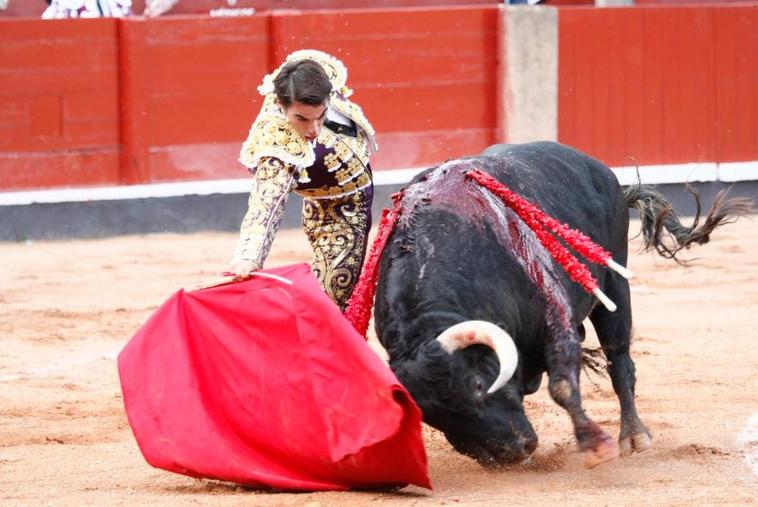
(621, 270)
(610, 305)
(497, 385)
(485, 333)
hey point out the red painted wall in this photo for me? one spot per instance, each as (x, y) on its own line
(736, 83)
(659, 85)
(187, 87)
(687, 2)
(424, 78)
(189, 95)
(95, 102)
(58, 103)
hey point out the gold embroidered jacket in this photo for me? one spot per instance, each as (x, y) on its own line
(333, 166)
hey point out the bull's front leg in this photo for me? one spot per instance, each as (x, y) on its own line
(564, 357)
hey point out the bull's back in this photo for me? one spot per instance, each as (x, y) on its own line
(451, 235)
(567, 184)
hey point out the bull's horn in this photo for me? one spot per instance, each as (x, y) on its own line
(473, 332)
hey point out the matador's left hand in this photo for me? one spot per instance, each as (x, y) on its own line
(243, 269)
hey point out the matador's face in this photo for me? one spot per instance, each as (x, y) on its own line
(307, 120)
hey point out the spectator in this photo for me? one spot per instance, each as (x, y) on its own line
(154, 8)
(59, 9)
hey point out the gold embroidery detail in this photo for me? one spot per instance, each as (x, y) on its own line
(327, 138)
(336, 229)
(272, 135)
(353, 170)
(343, 150)
(355, 113)
(272, 183)
(332, 162)
(349, 171)
(357, 146)
(302, 176)
(362, 181)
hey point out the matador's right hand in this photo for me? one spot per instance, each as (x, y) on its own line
(243, 269)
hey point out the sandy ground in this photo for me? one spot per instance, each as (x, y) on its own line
(67, 308)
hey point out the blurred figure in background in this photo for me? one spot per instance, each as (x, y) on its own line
(154, 8)
(61, 9)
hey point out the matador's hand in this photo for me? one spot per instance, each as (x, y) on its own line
(243, 269)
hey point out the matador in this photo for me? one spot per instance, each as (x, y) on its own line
(310, 139)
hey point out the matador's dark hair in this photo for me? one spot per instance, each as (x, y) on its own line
(302, 81)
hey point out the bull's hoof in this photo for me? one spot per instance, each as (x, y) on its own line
(605, 450)
(636, 443)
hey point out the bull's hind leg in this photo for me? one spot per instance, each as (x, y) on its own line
(563, 357)
(614, 333)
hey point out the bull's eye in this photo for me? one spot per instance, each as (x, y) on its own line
(478, 388)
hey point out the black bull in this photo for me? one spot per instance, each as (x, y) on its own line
(458, 255)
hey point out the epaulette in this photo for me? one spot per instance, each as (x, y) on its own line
(272, 135)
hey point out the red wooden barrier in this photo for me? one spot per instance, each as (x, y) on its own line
(658, 85)
(663, 85)
(189, 95)
(35, 8)
(204, 6)
(425, 78)
(686, 2)
(58, 103)
(736, 83)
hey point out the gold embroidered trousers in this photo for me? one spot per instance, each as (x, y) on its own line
(337, 229)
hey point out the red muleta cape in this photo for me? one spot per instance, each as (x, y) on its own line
(266, 384)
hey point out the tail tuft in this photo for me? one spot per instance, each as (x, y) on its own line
(663, 231)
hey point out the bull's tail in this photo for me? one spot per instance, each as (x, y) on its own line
(657, 215)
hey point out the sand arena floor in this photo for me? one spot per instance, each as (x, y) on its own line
(67, 308)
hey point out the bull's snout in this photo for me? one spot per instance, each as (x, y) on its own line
(512, 454)
(494, 456)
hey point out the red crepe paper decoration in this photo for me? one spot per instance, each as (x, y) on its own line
(361, 301)
(537, 219)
